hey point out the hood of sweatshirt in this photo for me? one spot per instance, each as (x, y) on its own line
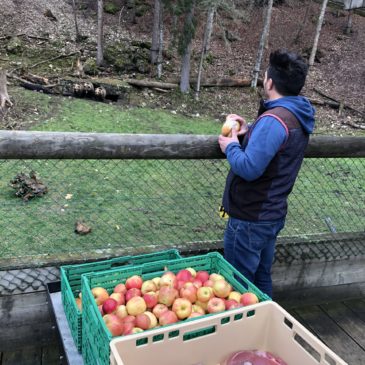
(299, 106)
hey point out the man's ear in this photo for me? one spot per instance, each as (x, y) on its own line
(270, 84)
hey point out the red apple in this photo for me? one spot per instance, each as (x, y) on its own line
(249, 298)
(119, 297)
(184, 275)
(127, 328)
(204, 293)
(133, 292)
(202, 275)
(121, 311)
(129, 319)
(153, 319)
(136, 305)
(110, 305)
(133, 331)
(182, 308)
(168, 279)
(114, 324)
(189, 292)
(158, 309)
(209, 283)
(134, 281)
(235, 295)
(197, 309)
(203, 305)
(156, 280)
(167, 295)
(214, 277)
(231, 303)
(195, 314)
(151, 299)
(221, 288)
(120, 288)
(143, 321)
(147, 286)
(216, 305)
(197, 283)
(192, 271)
(100, 307)
(79, 304)
(100, 295)
(167, 317)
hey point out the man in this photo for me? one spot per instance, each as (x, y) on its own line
(264, 168)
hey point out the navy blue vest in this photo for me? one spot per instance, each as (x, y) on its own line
(266, 197)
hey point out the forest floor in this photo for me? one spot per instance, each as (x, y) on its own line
(339, 71)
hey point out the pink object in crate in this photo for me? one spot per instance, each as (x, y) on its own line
(254, 357)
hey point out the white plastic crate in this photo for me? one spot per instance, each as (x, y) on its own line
(210, 340)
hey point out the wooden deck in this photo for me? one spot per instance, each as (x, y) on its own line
(340, 325)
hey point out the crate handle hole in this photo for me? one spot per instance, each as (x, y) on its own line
(329, 359)
(199, 333)
(141, 341)
(238, 317)
(225, 320)
(251, 313)
(307, 347)
(288, 323)
(174, 334)
(158, 338)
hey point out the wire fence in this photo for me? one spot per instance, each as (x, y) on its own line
(145, 205)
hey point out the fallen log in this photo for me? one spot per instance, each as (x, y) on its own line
(340, 104)
(152, 84)
(224, 82)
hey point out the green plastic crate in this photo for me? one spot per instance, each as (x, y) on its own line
(95, 335)
(71, 283)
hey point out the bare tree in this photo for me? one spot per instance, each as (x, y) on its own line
(156, 32)
(100, 41)
(186, 47)
(160, 45)
(318, 32)
(205, 45)
(78, 36)
(264, 36)
(4, 96)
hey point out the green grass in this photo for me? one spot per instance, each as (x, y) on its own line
(87, 116)
(133, 204)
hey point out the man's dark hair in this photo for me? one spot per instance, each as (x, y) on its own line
(288, 71)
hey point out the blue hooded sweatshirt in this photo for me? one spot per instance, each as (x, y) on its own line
(265, 166)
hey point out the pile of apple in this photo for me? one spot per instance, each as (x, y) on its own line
(138, 305)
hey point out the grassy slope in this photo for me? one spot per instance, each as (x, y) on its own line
(139, 202)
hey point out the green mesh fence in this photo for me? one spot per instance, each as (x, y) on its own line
(141, 205)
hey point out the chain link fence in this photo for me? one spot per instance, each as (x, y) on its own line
(145, 205)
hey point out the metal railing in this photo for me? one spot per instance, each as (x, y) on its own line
(140, 193)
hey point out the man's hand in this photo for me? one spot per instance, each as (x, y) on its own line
(225, 141)
(241, 121)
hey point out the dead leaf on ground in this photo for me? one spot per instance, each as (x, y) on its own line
(82, 228)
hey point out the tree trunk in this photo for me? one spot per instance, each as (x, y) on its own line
(185, 62)
(160, 44)
(4, 96)
(302, 24)
(156, 32)
(75, 19)
(264, 36)
(348, 29)
(100, 41)
(205, 45)
(318, 31)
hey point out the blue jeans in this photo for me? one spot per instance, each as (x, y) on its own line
(250, 247)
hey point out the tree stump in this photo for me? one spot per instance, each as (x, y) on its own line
(4, 96)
